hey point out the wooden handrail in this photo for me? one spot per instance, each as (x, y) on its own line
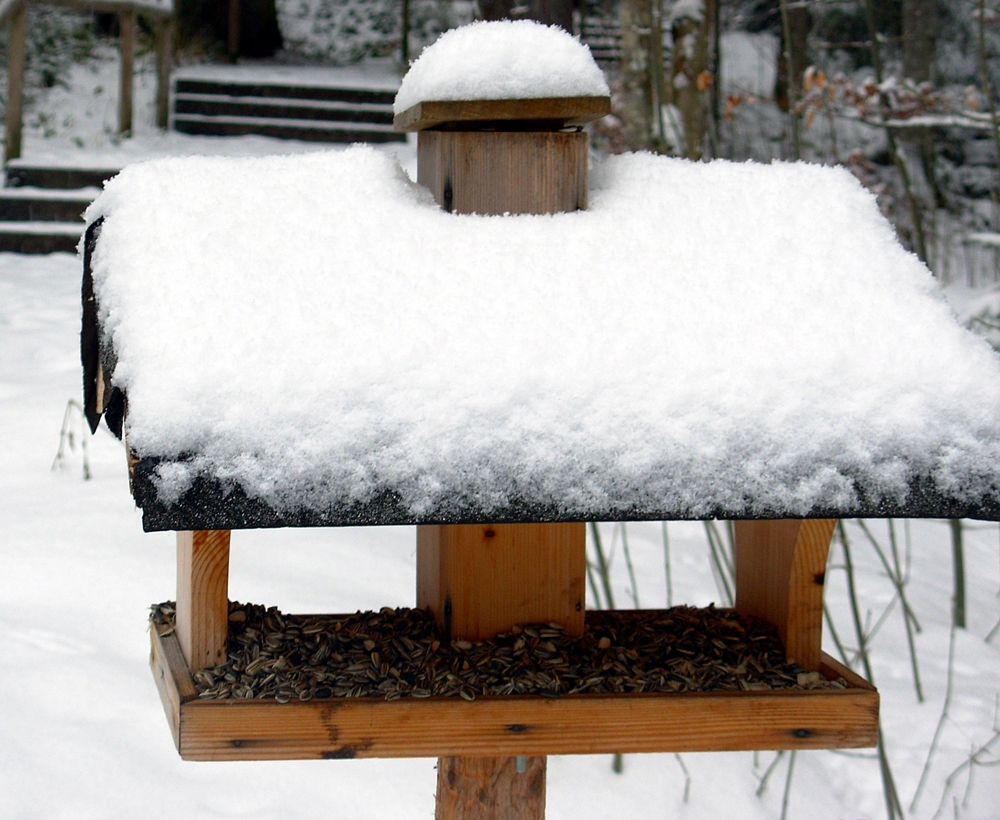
(15, 11)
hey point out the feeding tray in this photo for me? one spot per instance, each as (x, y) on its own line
(542, 114)
(840, 712)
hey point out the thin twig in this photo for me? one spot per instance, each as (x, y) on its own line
(687, 776)
(602, 567)
(968, 763)
(940, 724)
(767, 773)
(788, 785)
(666, 566)
(631, 569)
(723, 572)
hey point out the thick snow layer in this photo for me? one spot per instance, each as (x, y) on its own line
(502, 60)
(712, 335)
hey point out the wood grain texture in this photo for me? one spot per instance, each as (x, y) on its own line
(555, 112)
(490, 788)
(173, 679)
(203, 596)
(481, 579)
(16, 51)
(127, 28)
(504, 172)
(780, 571)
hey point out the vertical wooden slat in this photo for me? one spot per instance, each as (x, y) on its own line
(780, 571)
(15, 80)
(127, 26)
(487, 788)
(203, 596)
(164, 60)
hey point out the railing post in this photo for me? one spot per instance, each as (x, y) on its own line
(15, 80)
(164, 61)
(126, 24)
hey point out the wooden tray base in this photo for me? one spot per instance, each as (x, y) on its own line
(512, 725)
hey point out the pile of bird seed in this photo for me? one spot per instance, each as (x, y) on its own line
(398, 653)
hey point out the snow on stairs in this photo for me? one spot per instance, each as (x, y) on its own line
(311, 112)
(40, 207)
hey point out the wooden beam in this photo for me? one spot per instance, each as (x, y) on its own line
(481, 579)
(485, 788)
(515, 725)
(504, 172)
(164, 61)
(203, 596)
(127, 28)
(780, 571)
(16, 44)
(547, 113)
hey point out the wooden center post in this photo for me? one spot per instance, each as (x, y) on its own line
(501, 157)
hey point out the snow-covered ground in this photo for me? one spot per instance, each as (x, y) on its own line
(82, 733)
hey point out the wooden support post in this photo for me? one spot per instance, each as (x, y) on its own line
(164, 60)
(780, 570)
(203, 596)
(498, 172)
(480, 579)
(484, 788)
(16, 42)
(127, 28)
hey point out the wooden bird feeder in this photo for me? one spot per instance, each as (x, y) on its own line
(479, 576)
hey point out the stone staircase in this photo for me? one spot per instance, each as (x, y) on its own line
(313, 107)
(40, 207)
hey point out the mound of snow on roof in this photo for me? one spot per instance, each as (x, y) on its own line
(502, 60)
(713, 335)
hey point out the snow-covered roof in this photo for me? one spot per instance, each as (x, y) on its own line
(311, 340)
(502, 60)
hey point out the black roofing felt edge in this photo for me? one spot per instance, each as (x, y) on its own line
(209, 505)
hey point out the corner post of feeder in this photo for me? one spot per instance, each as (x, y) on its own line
(203, 596)
(780, 572)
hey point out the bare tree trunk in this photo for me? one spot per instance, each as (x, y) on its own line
(637, 26)
(692, 37)
(920, 24)
(794, 36)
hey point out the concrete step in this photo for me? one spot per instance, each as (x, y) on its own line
(284, 108)
(40, 237)
(38, 176)
(229, 88)
(30, 204)
(288, 129)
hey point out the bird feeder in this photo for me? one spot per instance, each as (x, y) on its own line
(500, 501)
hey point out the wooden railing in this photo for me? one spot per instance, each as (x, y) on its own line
(15, 13)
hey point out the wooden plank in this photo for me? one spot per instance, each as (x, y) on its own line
(481, 788)
(16, 44)
(164, 61)
(481, 579)
(173, 679)
(528, 725)
(127, 27)
(203, 596)
(509, 172)
(832, 669)
(553, 112)
(780, 570)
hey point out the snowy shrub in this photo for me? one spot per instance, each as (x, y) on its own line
(346, 31)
